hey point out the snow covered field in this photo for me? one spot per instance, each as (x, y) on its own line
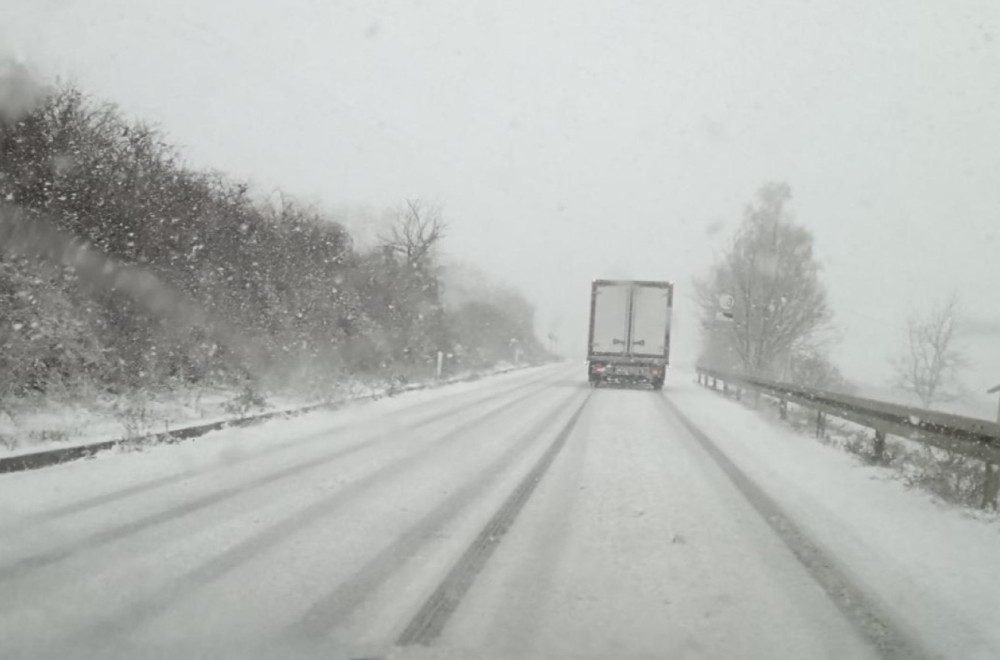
(523, 515)
(932, 563)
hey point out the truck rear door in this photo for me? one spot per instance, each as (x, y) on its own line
(650, 321)
(609, 334)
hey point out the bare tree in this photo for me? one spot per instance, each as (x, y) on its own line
(930, 363)
(418, 228)
(770, 271)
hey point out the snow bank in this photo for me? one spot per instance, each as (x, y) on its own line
(935, 565)
(48, 424)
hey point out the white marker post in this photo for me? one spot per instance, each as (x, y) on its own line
(994, 390)
(440, 364)
(991, 487)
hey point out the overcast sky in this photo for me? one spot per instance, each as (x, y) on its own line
(573, 139)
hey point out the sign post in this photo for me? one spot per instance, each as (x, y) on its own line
(726, 303)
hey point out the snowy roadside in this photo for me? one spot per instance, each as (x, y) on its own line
(53, 426)
(933, 563)
(975, 403)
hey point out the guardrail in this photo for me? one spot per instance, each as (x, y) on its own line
(966, 436)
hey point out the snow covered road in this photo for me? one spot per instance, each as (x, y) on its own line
(524, 515)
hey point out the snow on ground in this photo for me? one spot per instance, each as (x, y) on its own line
(635, 546)
(935, 565)
(48, 424)
(238, 531)
(635, 543)
(28, 426)
(25, 493)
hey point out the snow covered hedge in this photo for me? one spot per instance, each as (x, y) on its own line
(283, 293)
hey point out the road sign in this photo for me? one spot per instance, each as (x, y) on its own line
(727, 302)
(726, 317)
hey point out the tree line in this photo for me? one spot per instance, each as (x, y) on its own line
(193, 279)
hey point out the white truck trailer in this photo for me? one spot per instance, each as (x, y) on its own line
(629, 331)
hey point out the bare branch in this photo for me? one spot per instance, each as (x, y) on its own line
(417, 230)
(930, 363)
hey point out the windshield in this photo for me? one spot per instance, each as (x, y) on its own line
(499, 329)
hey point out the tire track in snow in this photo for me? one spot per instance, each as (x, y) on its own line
(427, 625)
(80, 506)
(336, 606)
(891, 639)
(102, 634)
(18, 568)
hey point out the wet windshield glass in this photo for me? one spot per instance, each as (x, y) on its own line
(501, 329)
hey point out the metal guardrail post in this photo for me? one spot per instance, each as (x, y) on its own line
(783, 409)
(820, 424)
(991, 480)
(879, 447)
(991, 486)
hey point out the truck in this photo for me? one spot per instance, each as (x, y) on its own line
(629, 332)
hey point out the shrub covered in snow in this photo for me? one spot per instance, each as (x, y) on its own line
(235, 288)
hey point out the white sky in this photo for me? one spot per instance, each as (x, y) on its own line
(572, 139)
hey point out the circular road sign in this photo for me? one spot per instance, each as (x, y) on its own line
(727, 302)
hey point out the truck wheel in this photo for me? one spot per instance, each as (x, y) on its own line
(657, 384)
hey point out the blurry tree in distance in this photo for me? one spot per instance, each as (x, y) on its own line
(418, 229)
(929, 363)
(487, 320)
(409, 272)
(770, 270)
(812, 368)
